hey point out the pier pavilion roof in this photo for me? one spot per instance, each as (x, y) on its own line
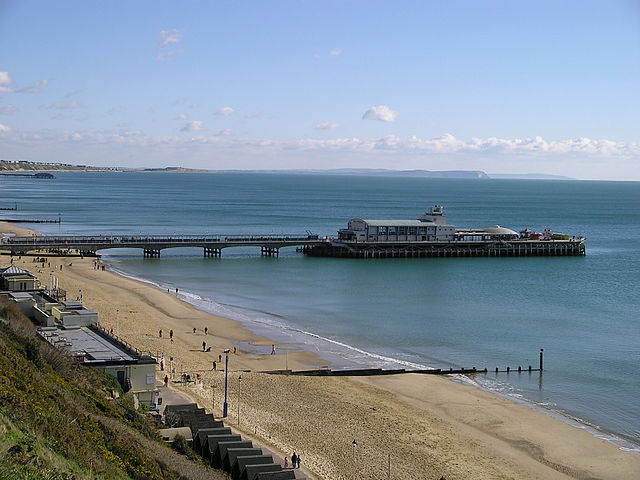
(395, 223)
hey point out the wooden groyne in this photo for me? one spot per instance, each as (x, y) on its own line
(28, 220)
(366, 372)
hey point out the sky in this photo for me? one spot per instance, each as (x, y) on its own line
(507, 86)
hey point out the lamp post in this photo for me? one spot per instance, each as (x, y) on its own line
(118, 322)
(225, 405)
(354, 444)
(213, 399)
(239, 384)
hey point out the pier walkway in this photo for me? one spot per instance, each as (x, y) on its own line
(151, 245)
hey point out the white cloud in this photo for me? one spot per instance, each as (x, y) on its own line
(180, 116)
(335, 52)
(580, 157)
(72, 105)
(35, 88)
(168, 37)
(194, 126)
(4, 128)
(8, 110)
(326, 126)
(5, 81)
(224, 111)
(381, 113)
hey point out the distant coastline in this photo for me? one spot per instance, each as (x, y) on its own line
(28, 166)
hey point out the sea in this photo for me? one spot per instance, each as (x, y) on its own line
(394, 313)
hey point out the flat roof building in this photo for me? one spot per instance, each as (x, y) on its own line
(91, 346)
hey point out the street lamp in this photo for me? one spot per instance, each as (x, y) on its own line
(239, 384)
(213, 398)
(225, 405)
(354, 444)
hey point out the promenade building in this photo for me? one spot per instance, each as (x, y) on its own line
(73, 328)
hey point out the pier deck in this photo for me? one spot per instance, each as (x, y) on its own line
(310, 244)
(492, 248)
(153, 244)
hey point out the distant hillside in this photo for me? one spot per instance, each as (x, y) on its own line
(375, 172)
(529, 176)
(172, 170)
(25, 166)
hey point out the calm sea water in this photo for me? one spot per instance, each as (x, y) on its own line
(484, 312)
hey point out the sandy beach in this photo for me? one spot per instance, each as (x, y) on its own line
(426, 426)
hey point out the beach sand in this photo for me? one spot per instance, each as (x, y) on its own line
(427, 426)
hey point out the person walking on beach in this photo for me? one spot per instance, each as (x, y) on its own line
(286, 462)
(298, 461)
(294, 460)
(206, 330)
(214, 365)
(166, 380)
(204, 346)
(160, 333)
(171, 334)
(273, 349)
(194, 330)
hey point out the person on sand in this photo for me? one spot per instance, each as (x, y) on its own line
(206, 330)
(234, 350)
(160, 333)
(166, 380)
(194, 330)
(214, 365)
(204, 346)
(294, 460)
(298, 461)
(286, 462)
(171, 334)
(273, 349)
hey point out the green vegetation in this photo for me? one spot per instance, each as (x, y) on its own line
(60, 420)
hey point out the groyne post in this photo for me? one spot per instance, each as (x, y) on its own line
(541, 358)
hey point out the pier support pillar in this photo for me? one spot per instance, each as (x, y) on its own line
(212, 252)
(269, 251)
(151, 253)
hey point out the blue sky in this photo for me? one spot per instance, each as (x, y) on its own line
(502, 86)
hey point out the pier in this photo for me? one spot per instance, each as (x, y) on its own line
(309, 244)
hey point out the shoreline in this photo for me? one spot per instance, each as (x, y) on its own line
(474, 438)
(364, 359)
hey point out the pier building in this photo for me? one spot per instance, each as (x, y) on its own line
(431, 236)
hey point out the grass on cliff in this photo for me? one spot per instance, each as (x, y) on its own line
(58, 419)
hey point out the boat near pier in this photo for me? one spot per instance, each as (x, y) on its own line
(431, 236)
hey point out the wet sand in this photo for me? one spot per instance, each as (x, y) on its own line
(428, 426)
